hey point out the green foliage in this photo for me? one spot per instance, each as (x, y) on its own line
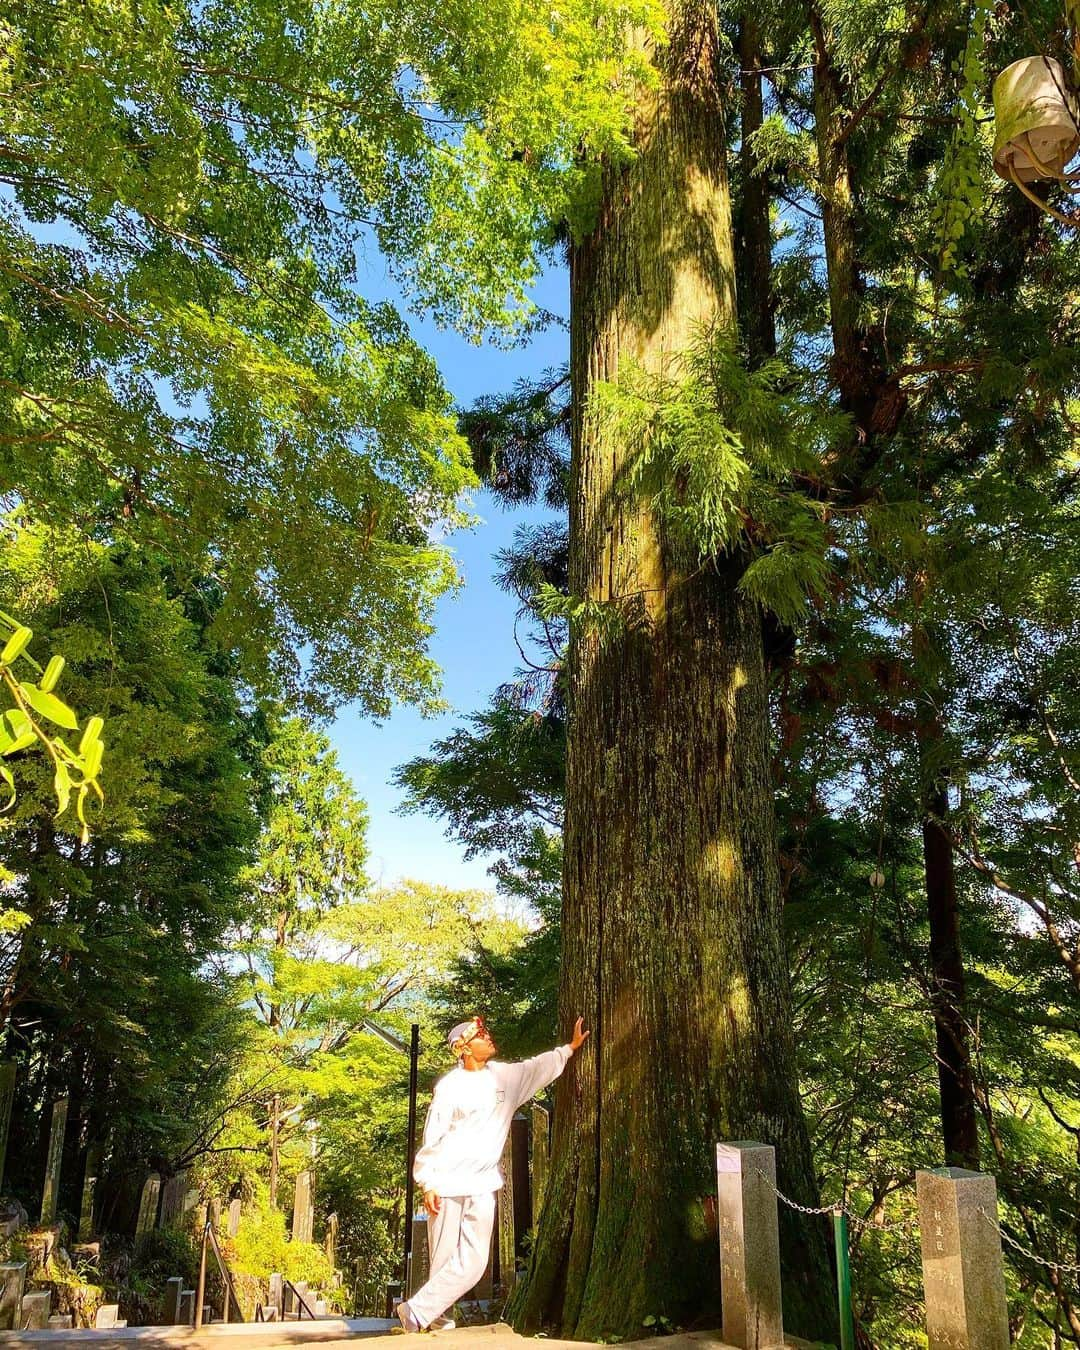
(262, 1246)
(721, 455)
(960, 185)
(25, 725)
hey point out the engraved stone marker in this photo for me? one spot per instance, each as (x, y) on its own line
(277, 1292)
(963, 1274)
(52, 1166)
(540, 1127)
(505, 1220)
(749, 1245)
(303, 1215)
(172, 1199)
(12, 1288)
(331, 1238)
(90, 1176)
(148, 1204)
(420, 1263)
(233, 1226)
(7, 1096)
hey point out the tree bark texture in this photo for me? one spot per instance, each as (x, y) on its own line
(672, 941)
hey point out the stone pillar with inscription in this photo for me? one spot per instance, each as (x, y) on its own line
(94, 1155)
(963, 1272)
(232, 1227)
(420, 1255)
(7, 1096)
(148, 1204)
(505, 1218)
(540, 1128)
(749, 1245)
(51, 1189)
(172, 1199)
(303, 1215)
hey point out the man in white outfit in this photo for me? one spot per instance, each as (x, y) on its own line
(457, 1166)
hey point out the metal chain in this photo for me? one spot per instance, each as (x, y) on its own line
(1062, 1269)
(858, 1223)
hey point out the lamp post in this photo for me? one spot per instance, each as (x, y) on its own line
(413, 1051)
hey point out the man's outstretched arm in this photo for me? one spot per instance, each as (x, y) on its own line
(535, 1074)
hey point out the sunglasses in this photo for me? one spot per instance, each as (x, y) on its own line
(479, 1029)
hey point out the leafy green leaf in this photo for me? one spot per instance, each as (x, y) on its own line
(48, 705)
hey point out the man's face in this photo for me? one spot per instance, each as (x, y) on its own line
(482, 1046)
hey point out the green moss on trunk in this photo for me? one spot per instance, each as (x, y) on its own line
(673, 946)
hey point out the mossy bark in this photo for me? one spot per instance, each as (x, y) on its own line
(672, 942)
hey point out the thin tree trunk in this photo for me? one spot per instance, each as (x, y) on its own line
(754, 241)
(672, 944)
(959, 1121)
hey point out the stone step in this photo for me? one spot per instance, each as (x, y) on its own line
(61, 1322)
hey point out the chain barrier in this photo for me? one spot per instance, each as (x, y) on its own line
(858, 1223)
(1062, 1269)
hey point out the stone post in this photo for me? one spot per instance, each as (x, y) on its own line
(505, 1219)
(174, 1287)
(90, 1176)
(12, 1288)
(540, 1126)
(331, 1238)
(963, 1273)
(187, 1308)
(303, 1215)
(148, 1204)
(7, 1096)
(232, 1227)
(277, 1293)
(749, 1245)
(51, 1188)
(36, 1309)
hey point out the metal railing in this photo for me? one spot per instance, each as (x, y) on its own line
(210, 1242)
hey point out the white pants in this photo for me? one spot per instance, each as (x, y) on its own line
(459, 1243)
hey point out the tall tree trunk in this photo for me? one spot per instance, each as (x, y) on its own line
(959, 1120)
(754, 233)
(672, 943)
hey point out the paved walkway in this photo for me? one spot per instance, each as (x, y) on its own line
(333, 1331)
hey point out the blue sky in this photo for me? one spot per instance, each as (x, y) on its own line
(474, 637)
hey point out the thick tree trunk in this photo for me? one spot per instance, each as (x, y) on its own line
(672, 945)
(959, 1121)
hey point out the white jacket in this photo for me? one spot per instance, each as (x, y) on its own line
(469, 1119)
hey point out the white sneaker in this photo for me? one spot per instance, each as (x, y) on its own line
(406, 1318)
